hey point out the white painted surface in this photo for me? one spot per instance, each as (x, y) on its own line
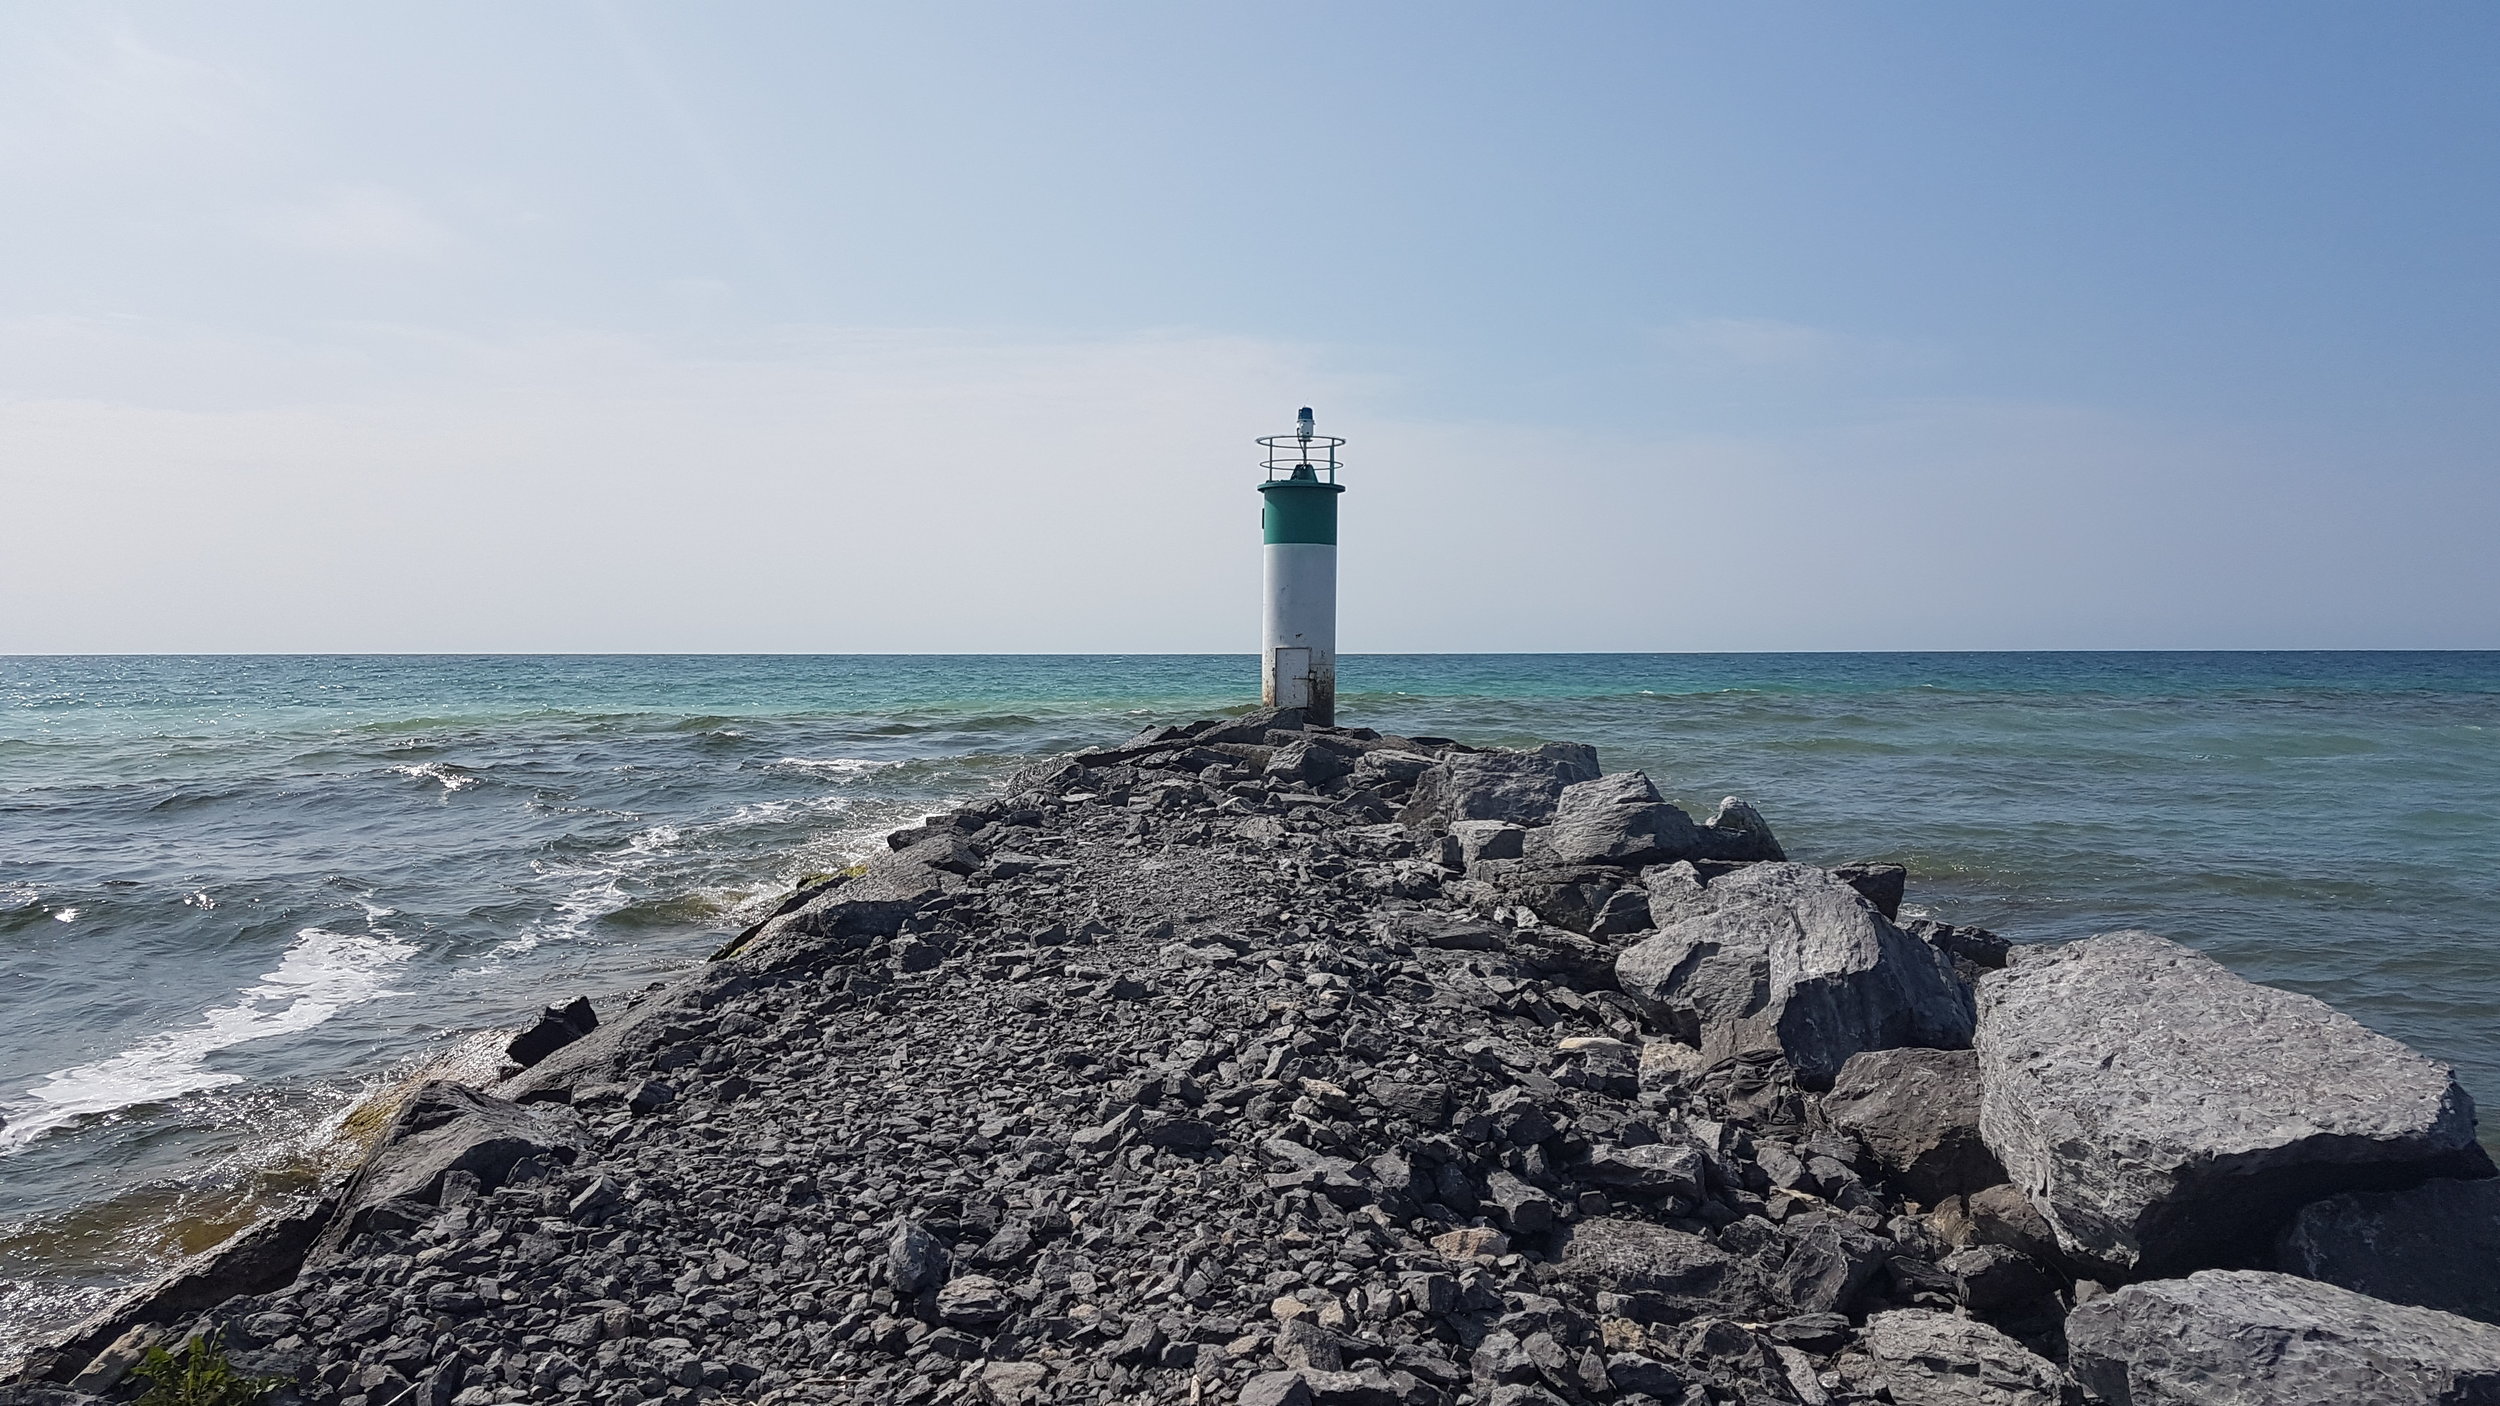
(1299, 653)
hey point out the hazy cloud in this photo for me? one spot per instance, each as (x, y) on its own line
(77, 91)
(894, 489)
(364, 221)
(1764, 343)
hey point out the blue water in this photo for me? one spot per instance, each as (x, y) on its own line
(238, 894)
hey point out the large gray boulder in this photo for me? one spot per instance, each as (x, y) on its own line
(1917, 1112)
(1937, 1359)
(2249, 1338)
(445, 1128)
(2436, 1245)
(2166, 1115)
(1786, 957)
(1520, 787)
(1617, 819)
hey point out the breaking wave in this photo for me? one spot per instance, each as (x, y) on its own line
(322, 974)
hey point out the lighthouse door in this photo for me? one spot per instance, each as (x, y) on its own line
(1293, 678)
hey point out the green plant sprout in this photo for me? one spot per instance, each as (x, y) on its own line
(200, 1377)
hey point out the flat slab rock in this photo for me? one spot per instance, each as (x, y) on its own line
(2251, 1338)
(1937, 1359)
(1786, 957)
(1636, 1258)
(2165, 1115)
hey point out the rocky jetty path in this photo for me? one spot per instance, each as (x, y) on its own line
(1312, 1067)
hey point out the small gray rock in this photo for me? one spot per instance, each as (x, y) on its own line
(1937, 1359)
(1486, 839)
(1651, 1169)
(1670, 1267)
(1012, 1383)
(915, 1260)
(1880, 884)
(1276, 1389)
(1997, 1277)
(972, 1300)
(557, 1027)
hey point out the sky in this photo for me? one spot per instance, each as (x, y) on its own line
(601, 326)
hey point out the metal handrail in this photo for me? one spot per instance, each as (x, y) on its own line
(1289, 452)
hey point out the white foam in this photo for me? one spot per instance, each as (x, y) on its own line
(321, 974)
(832, 766)
(451, 779)
(654, 840)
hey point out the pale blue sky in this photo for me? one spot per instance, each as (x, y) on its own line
(940, 327)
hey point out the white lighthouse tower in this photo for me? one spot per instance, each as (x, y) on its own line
(1298, 665)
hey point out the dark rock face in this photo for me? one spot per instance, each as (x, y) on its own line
(2228, 1336)
(2164, 1114)
(557, 1027)
(1880, 884)
(916, 1262)
(2436, 1245)
(1591, 899)
(1917, 1112)
(1785, 957)
(1971, 950)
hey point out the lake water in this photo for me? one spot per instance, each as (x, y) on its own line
(239, 894)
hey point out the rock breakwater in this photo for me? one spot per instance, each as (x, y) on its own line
(1311, 1067)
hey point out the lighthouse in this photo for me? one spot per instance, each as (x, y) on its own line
(1298, 665)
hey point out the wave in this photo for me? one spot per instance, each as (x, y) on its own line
(451, 777)
(831, 766)
(322, 974)
(611, 886)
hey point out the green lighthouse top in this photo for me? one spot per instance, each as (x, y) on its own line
(1302, 457)
(1301, 489)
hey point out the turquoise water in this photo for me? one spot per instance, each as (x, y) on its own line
(237, 894)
